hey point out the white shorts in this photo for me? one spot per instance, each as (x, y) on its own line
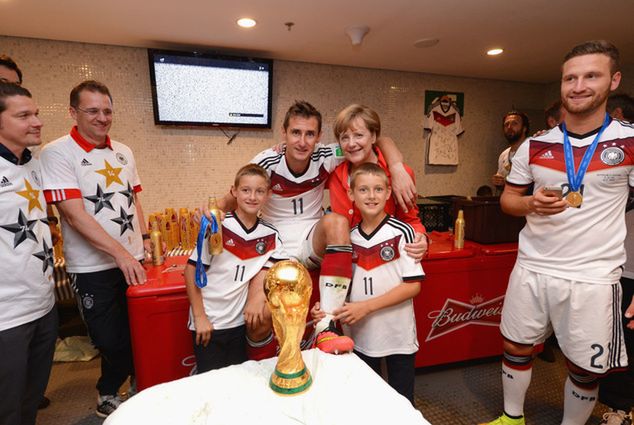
(305, 250)
(585, 317)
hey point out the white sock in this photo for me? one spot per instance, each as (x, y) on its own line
(515, 384)
(578, 403)
(332, 294)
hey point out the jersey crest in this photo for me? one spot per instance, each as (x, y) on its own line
(247, 249)
(375, 256)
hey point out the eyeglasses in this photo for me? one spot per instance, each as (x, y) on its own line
(93, 112)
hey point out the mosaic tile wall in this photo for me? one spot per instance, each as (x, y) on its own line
(179, 167)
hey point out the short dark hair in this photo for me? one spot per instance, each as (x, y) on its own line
(88, 85)
(303, 109)
(553, 111)
(623, 101)
(10, 90)
(602, 47)
(7, 62)
(525, 121)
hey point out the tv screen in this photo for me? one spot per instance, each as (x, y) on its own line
(190, 88)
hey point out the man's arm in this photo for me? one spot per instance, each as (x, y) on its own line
(515, 202)
(76, 216)
(403, 187)
(147, 245)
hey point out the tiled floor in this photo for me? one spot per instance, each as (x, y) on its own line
(459, 394)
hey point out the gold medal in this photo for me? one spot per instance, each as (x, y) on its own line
(574, 199)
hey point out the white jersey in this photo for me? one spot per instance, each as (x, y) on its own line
(296, 201)
(580, 244)
(380, 264)
(106, 180)
(26, 291)
(505, 162)
(445, 126)
(246, 252)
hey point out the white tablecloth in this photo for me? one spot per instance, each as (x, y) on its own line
(344, 391)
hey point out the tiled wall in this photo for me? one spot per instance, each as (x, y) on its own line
(180, 166)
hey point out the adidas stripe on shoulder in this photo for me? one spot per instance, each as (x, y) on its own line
(407, 230)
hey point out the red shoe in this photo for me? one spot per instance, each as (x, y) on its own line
(331, 341)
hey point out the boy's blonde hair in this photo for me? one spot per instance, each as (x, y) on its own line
(371, 169)
(252, 170)
(344, 119)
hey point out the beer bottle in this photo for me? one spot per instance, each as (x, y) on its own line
(215, 239)
(458, 231)
(157, 244)
(183, 218)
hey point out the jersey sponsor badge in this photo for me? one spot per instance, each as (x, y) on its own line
(612, 155)
(121, 158)
(387, 253)
(5, 182)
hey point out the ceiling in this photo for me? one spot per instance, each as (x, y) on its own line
(534, 33)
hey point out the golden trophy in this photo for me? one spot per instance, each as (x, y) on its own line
(288, 287)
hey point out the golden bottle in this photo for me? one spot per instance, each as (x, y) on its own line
(458, 231)
(156, 238)
(183, 218)
(215, 239)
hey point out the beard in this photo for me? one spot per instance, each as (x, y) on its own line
(512, 137)
(585, 109)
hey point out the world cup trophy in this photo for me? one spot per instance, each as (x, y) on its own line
(288, 287)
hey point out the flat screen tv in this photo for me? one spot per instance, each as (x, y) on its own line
(190, 88)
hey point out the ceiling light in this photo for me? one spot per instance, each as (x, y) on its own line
(246, 22)
(426, 42)
(495, 52)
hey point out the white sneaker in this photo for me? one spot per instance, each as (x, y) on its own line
(616, 417)
(106, 404)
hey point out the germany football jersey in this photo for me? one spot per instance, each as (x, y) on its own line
(246, 252)
(581, 244)
(106, 180)
(296, 201)
(381, 264)
(26, 292)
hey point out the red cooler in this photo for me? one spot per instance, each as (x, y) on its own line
(459, 307)
(159, 311)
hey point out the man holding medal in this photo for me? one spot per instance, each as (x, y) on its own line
(566, 278)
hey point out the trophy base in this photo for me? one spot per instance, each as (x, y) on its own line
(290, 383)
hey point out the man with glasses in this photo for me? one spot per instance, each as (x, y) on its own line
(94, 183)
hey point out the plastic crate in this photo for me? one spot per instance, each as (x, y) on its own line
(435, 215)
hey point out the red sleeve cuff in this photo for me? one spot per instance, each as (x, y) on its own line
(137, 188)
(57, 195)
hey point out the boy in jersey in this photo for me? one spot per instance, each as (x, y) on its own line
(566, 277)
(250, 244)
(28, 317)
(379, 315)
(298, 177)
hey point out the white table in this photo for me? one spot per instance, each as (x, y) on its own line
(344, 391)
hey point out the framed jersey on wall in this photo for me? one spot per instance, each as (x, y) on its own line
(443, 120)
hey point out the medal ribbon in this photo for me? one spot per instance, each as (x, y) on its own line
(575, 180)
(201, 276)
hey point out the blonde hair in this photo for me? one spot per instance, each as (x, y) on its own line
(252, 170)
(350, 113)
(368, 168)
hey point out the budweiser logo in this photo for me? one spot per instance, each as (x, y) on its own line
(455, 315)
